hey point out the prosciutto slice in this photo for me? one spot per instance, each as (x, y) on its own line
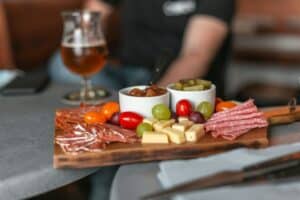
(78, 136)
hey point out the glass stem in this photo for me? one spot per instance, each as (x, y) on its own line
(86, 91)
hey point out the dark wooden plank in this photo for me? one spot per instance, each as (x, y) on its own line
(118, 153)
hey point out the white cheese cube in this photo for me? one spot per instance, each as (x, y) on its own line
(150, 121)
(154, 138)
(187, 123)
(175, 136)
(158, 126)
(194, 133)
(181, 119)
(179, 127)
(182, 126)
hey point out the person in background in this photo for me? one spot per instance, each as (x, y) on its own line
(196, 33)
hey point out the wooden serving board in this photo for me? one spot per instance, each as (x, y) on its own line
(119, 153)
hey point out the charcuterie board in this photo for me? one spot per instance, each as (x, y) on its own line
(119, 153)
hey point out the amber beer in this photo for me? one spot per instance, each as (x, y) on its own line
(84, 60)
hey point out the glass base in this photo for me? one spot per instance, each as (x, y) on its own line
(98, 95)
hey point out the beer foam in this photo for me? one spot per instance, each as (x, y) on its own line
(83, 44)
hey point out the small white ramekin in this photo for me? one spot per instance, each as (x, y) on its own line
(141, 105)
(195, 97)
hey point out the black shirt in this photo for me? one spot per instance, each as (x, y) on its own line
(149, 27)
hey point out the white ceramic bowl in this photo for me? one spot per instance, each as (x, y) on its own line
(141, 105)
(195, 97)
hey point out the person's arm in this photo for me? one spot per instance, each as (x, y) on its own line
(203, 37)
(6, 58)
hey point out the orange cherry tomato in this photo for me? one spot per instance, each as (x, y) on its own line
(110, 108)
(225, 105)
(94, 117)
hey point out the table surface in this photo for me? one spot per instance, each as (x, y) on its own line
(26, 149)
(136, 180)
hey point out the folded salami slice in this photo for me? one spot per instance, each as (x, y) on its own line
(234, 118)
(235, 135)
(248, 104)
(231, 130)
(245, 111)
(235, 122)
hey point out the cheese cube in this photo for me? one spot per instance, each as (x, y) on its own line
(182, 126)
(175, 136)
(179, 127)
(194, 133)
(181, 119)
(187, 123)
(150, 121)
(158, 126)
(154, 138)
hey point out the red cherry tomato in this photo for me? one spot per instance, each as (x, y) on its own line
(225, 105)
(130, 120)
(183, 107)
(94, 117)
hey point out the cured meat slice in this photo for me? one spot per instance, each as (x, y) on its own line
(235, 131)
(234, 118)
(249, 103)
(235, 135)
(234, 123)
(231, 130)
(245, 111)
(79, 136)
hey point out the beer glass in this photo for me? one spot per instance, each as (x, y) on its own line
(84, 52)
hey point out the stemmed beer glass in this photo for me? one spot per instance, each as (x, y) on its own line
(84, 52)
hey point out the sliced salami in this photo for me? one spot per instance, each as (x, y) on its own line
(235, 122)
(249, 103)
(235, 118)
(245, 111)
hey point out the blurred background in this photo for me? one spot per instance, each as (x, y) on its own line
(265, 64)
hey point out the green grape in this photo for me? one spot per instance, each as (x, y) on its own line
(142, 127)
(161, 112)
(206, 109)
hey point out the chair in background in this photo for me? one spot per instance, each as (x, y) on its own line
(267, 45)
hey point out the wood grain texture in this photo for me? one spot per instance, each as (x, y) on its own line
(119, 153)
